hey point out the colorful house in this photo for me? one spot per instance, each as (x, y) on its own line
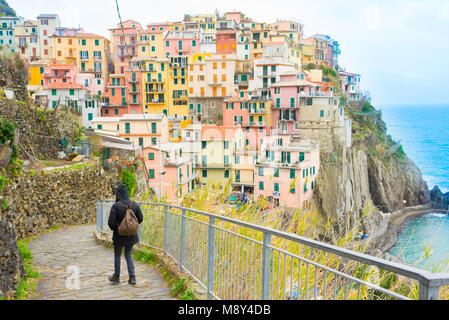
(124, 44)
(92, 55)
(25, 40)
(182, 42)
(170, 171)
(64, 44)
(151, 41)
(142, 130)
(114, 99)
(46, 26)
(350, 85)
(217, 154)
(286, 174)
(252, 113)
(293, 30)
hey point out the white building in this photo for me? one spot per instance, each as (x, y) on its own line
(7, 25)
(46, 25)
(268, 71)
(75, 97)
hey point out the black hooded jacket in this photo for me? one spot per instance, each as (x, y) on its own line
(118, 212)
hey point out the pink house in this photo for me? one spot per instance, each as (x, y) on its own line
(286, 174)
(287, 95)
(177, 170)
(59, 73)
(252, 113)
(185, 43)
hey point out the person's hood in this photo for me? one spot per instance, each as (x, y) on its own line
(121, 193)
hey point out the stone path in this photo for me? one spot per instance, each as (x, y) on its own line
(57, 256)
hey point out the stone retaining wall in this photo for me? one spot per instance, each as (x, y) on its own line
(40, 200)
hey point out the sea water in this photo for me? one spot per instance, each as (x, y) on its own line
(424, 134)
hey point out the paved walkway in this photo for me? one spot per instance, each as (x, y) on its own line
(57, 256)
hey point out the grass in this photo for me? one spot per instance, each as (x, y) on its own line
(179, 288)
(305, 223)
(28, 284)
(72, 167)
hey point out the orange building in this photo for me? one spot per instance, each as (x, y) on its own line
(226, 42)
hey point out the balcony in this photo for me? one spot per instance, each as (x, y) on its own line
(23, 44)
(137, 102)
(156, 101)
(256, 111)
(122, 44)
(316, 94)
(284, 119)
(168, 162)
(157, 90)
(132, 80)
(134, 90)
(84, 58)
(255, 124)
(215, 83)
(49, 75)
(213, 165)
(97, 58)
(296, 106)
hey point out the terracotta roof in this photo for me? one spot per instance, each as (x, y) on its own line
(218, 132)
(68, 66)
(67, 85)
(89, 35)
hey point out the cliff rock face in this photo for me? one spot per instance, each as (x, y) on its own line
(438, 200)
(396, 184)
(11, 263)
(356, 183)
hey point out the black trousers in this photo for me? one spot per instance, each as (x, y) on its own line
(128, 257)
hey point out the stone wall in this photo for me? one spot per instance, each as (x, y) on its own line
(38, 201)
(39, 132)
(11, 263)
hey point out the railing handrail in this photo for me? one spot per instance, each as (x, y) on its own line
(432, 279)
(428, 280)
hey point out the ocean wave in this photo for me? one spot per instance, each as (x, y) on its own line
(438, 215)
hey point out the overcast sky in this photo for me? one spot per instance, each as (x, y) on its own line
(400, 47)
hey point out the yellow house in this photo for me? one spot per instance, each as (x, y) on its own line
(64, 45)
(207, 22)
(175, 26)
(178, 86)
(36, 71)
(151, 43)
(155, 84)
(307, 53)
(92, 53)
(219, 145)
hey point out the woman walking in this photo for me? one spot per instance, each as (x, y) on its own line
(117, 214)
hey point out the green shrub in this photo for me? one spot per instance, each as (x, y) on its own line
(130, 181)
(7, 130)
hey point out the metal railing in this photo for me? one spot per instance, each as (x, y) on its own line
(230, 265)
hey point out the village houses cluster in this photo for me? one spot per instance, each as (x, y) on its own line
(214, 98)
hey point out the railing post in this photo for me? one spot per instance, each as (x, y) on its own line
(165, 229)
(101, 206)
(139, 235)
(427, 292)
(183, 239)
(210, 258)
(98, 217)
(266, 257)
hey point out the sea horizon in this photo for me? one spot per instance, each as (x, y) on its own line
(424, 135)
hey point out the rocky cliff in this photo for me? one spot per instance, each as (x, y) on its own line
(374, 175)
(438, 199)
